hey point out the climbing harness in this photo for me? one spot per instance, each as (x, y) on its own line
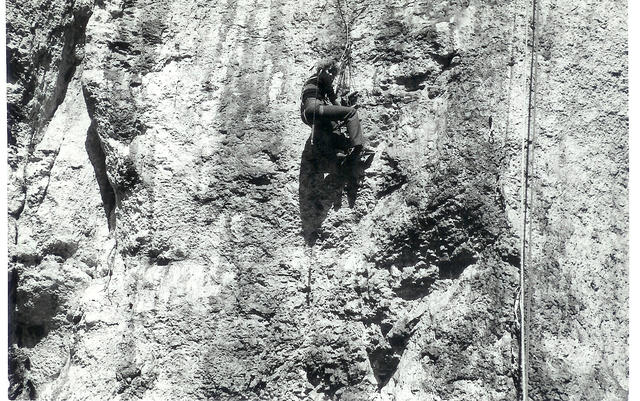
(344, 67)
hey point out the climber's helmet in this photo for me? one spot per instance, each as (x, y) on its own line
(328, 65)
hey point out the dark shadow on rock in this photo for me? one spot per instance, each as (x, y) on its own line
(412, 290)
(453, 267)
(98, 161)
(384, 356)
(384, 363)
(353, 177)
(322, 182)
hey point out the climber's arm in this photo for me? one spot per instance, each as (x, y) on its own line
(331, 94)
(326, 87)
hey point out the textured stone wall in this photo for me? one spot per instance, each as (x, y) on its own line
(579, 239)
(172, 237)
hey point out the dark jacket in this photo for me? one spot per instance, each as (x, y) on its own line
(318, 88)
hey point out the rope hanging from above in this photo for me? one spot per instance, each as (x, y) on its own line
(344, 81)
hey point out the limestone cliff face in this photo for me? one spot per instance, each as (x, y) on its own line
(172, 236)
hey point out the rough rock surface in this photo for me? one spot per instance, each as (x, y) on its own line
(579, 302)
(172, 238)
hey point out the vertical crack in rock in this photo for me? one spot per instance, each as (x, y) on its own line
(73, 38)
(34, 98)
(41, 76)
(117, 110)
(71, 35)
(98, 161)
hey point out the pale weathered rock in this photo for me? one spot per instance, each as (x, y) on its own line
(173, 237)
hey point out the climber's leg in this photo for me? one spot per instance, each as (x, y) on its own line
(348, 114)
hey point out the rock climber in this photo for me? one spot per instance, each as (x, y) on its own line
(317, 112)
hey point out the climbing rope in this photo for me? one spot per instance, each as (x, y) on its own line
(313, 123)
(527, 194)
(345, 59)
(346, 64)
(311, 260)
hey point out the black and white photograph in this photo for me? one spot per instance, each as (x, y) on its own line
(317, 200)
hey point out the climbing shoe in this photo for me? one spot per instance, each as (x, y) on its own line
(367, 158)
(358, 154)
(351, 156)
